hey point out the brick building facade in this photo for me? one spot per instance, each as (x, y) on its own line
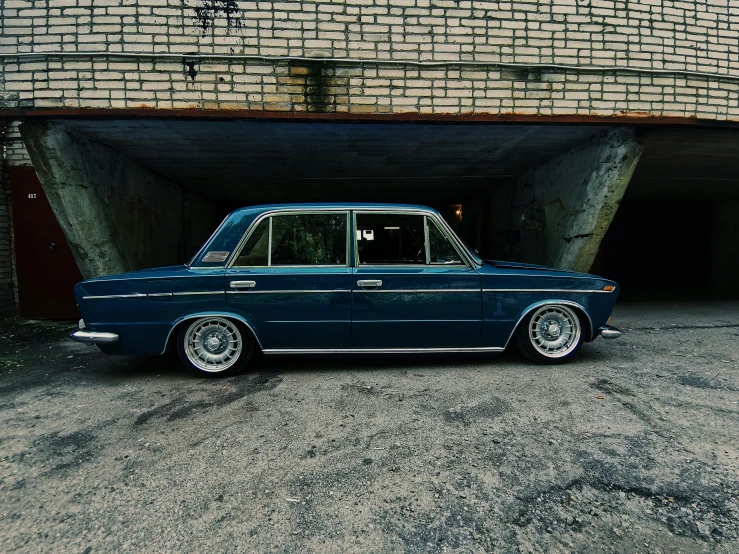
(651, 57)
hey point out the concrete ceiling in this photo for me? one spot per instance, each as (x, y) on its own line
(247, 161)
(241, 162)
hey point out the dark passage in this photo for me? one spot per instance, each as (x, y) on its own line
(658, 249)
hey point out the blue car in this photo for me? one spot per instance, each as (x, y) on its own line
(341, 278)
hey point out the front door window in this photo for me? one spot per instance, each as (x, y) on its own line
(401, 239)
(390, 239)
(441, 250)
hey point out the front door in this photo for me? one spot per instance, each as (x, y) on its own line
(293, 280)
(411, 287)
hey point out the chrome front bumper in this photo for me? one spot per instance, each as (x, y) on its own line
(608, 332)
(92, 337)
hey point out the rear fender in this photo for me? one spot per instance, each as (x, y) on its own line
(246, 320)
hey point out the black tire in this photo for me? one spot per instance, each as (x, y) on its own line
(234, 334)
(531, 341)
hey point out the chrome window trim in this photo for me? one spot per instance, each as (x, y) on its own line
(268, 273)
(422, 267)
(548, 290)
(269, 242)
(135, 295)
(390, 266)
(285, 211)
(159, 294)
(352, 223)
(380, 350)
(427, 246)
(541, 303)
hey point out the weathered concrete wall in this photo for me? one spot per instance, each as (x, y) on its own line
(558, 213)
(656, 57)
(115, 214)
(724, 241)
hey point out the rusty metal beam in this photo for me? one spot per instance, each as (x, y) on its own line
(633, 118)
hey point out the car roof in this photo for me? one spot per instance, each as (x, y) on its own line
(334, 205)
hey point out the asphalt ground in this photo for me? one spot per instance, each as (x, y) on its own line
(632, 447)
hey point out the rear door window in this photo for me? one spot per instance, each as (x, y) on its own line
(256, 250)
(297, 240)
(309, 239)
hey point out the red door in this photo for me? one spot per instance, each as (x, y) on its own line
(44, 264)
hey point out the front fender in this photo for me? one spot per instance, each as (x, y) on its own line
(560, 301)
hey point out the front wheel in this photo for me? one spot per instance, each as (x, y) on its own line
(214, 347)
(550, 335)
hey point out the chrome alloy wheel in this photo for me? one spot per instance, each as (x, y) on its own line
(213, 344)
(554, 331)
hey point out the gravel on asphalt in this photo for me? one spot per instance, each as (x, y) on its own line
(632, 447)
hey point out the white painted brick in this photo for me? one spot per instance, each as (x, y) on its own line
(525, 31)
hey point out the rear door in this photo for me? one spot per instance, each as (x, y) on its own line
(411, 287)
(292, 277)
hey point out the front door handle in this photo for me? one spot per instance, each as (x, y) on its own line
(369, 283)
(241, 285)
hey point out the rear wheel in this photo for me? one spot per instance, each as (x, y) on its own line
(550, 335)
(214, 346)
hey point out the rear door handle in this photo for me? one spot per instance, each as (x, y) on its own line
(369, 283)
(241, 285)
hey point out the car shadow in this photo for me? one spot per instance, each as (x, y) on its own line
(170, 368)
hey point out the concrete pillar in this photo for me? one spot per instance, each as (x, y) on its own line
(558, 213)
(116, 215)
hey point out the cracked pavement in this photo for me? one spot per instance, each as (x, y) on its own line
(633, 447)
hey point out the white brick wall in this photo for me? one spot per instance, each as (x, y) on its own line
(677, 36)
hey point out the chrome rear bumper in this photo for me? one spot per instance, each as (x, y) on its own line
(608, 332)
(91, 337)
